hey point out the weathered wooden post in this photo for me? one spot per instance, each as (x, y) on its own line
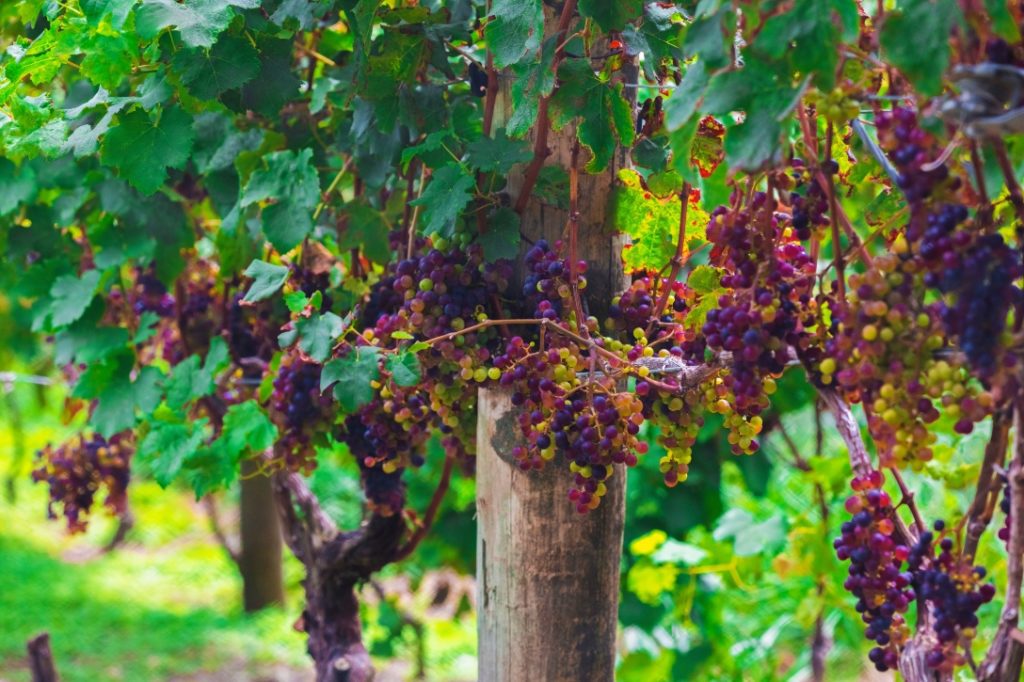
(547, 576)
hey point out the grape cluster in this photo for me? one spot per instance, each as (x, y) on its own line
(78, 469)
(809, 209)
(383, 486)
(912, 149)
(591, 423)
(150, 295)
(547, 287)
(1005, 506)
(300, 410)
(635, 307)
(876, 578)
(758, 320)
(430, 295)
(886, 353)
(954, 591)
(982, 282)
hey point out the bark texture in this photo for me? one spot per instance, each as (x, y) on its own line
(40, 659)
(547, 576)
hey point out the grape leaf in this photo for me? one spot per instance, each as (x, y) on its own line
(366, 229)
(611, 15)
(116, 10)
(317, 333)
(70, 296)
(17, 185)
(915, 38)
(230, 63)
(444, 198)
(602, 107)
(533, 80)
(704, 279)
(683, 102)
(167, 445)
(291, 180)
(404, 368)
(110, 383)
(352, 376)
(267, 279)
(516, 29)
(247, 429)
(651, 222)
(142, 149)
(199, 21)
(189, 380)
(501, 240)
(497, 154)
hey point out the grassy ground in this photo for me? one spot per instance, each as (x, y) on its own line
(166, 604)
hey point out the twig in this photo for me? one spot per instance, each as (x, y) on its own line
(678, 258)
(411, 236)
(218, 530)
(543, 127)
(837, 244)
(849, 431)
(431, 512)
(574, 232)
(330, 188)
(908, 499)
(1010, 176)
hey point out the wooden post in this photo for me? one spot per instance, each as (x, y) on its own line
(40, 659)
(259, 561)
(547, 576)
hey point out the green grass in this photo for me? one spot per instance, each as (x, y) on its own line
(166, 604)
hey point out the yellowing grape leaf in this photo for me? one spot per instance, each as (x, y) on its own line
(651, 222)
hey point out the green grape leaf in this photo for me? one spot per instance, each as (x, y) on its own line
(302, 12)
(366, 229)
(116, 10)
(109, 59)
(651, 222)
(532, 80)
(497, 154)
(404, 368)
(230, 63)
(705, 39)
(70, 296)
(352, 376)
(683, 102)
(199, 21)
(611, 15)
(705, 279)
(296, 301)
(291, 181)
(166, 446)
(247, 429)
(86, 341)
(501, 240)
(267, 279)
(1002, 20)
(189, 380)
(602, 107)
(915, 38)
(807, 35)
(749, 538)
(449, 191)
(17, 185)
(515, 30)
(110, 383)
(317, 333)
(142, 150)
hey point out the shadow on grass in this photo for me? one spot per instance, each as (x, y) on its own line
(104, 627)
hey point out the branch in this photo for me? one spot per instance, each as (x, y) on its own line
(977, 518)
(431, 513)
(833, 209)
(540, 143)
(678, 258)
(307, 533)
(218, 530)
(1006, 655)
(849, 431)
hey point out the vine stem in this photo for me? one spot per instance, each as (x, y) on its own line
(1010, 176)
(1006, 655)
(837, 244)
(330, 188)
(908, 499)
(540, 144)
(977, 517)
(678, 258)
(431, 513)
(574, 231)
(411, 236)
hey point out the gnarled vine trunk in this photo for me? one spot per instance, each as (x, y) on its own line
(336, 562)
